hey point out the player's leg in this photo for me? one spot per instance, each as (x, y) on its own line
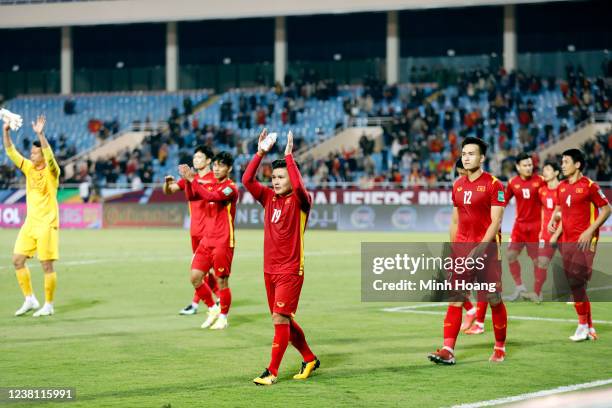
(25, 247)
(192, 308)
(50, 285)
(202, 261)
(514, 250)
(470, 314)
(48, 252)
(452, 324)
(478, 325)
(222, 263)
(281, 334)
(577, 269)
(499, 316)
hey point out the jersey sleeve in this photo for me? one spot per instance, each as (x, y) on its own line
(597, 196)
(52, 165)
(181, 184)
(257, 190)
(453, 197)
(21, 162)
(297, 183)
(200, 192)
(498, 194)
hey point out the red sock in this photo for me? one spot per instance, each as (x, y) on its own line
(452, 324)
(205, 294)
(299, 342)
(196, 298)
(589, 316)
(279, 345)
(500, 323)
(467, 305)
(211, 279)
(540, 278)
(515, 270)
(481, 311)
(225, 299)
(582, 310)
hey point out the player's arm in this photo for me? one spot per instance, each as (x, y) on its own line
(508, 193)
(249, 180)
(297, 184)
(555, 237)
(556, 217)
(599, 200)
(170, 186)
(11, 151)
(497, 213)
(454, 224)
(39, 127)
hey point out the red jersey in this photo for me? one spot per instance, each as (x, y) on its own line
(284, 221)
(197, 209)
(474, 200)
(548, 199)
(580, 203)
(221, 199)
(528, 206)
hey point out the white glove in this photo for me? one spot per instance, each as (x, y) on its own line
(15, 121)
(267, 143)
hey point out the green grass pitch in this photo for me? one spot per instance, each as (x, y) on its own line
(118, 339)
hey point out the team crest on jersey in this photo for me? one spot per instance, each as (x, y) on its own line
(536, 184)
(221, 269)
(563, 190)
(500, 197)
(579, 190)
(280, 304)
(209, 188)
(517, 186)
(459, 188)
(481, 189)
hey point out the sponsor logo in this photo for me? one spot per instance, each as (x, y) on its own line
(227, 191)
(363, 217)
(404, 218)
(280, 304)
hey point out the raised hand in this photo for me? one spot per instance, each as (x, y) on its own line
(39, 125)
(262, 136)
(289, 147)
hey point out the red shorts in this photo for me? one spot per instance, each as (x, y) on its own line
(219, 258)
(577, 264)
(525, 235)
(283, 291)
(546, 250)
(195, 243)
(489, 272)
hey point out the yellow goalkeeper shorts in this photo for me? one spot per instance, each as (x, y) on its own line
(43, 239)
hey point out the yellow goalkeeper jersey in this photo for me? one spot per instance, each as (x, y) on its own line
(41, 187)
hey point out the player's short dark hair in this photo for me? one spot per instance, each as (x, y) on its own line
(576, 155)
(36, 143)
(224, 158)
(474, 140)
(521, 157)
(554, 165)
(207, 151)
(282, 164)
(459, 164)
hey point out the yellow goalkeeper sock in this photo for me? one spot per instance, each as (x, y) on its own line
(24, 280)
(50, 284)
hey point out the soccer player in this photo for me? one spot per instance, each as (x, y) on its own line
(40, 231)
(470, 310)
(583, 208)
(216, 249)
(478, 200)
(287, 206)
(546, 250)
(528, 221)
(202, 158)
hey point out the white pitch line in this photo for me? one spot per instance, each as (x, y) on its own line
(537, 394)
(413, 309)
